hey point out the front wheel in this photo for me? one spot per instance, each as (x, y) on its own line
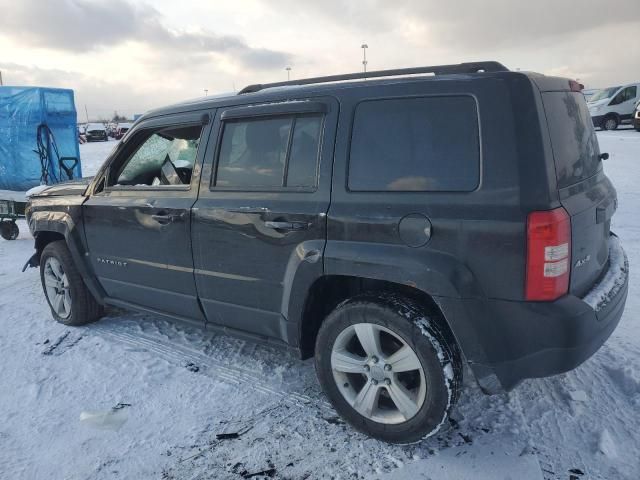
(70, 300)
(387, 368)
(610, 123)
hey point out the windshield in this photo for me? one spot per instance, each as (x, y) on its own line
(604, 93)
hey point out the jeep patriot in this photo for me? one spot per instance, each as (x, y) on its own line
(396, 228)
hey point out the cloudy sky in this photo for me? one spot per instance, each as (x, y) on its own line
(132, 55)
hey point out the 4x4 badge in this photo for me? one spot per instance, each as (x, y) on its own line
(582, 261)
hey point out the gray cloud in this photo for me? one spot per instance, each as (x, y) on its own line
(81, 26)
(101, 96)
(475, 23)
(500, 23)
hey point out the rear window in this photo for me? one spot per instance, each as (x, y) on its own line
(573, 138)
(415, 144)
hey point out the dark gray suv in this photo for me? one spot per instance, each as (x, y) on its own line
(396, 228)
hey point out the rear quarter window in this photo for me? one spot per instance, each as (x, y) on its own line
(573, 138)
(415, 144)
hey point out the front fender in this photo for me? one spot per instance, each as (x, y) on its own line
(63, 222)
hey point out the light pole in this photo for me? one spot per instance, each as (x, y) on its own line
(288, 69)
(364, 58)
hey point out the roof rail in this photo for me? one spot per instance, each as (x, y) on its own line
(471, 67)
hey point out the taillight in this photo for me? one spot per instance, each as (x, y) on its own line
(548, 255)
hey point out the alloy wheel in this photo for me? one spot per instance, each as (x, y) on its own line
(378, 373)
(57, 287)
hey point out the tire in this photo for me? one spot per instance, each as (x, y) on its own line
(610, 123)
(78, 305)
(400, 323)
(9, 230)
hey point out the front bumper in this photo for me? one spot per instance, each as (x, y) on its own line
(540, 339)
(597, 120)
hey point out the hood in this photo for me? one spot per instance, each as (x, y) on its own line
(598, 103)
(71, 187)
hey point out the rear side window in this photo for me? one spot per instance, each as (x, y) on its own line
(573, 138)
(415, 144)
(268, 153)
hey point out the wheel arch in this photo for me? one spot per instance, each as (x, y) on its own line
(328, 291)
(47, 227)
(44, 238)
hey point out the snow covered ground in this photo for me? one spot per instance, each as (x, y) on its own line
(135, 396)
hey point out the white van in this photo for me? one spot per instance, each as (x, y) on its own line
(613, 106)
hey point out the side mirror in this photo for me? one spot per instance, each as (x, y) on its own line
(604, 156)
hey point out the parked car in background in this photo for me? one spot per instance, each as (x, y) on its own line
(122, 129)
(96, 132)
(392, 228)
(111, 129)
(636, 118)
(82, 138)
(611, 107)
(590, 92)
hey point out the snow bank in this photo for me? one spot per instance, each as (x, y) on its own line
(614, 279)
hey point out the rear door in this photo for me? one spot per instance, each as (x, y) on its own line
(259, 225)
(585, 191)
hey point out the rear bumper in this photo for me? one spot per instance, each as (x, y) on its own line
(91, 138)
(540, 339)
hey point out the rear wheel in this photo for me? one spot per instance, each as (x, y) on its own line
(70, 301)
(387, 369)
(610, 123)
(9, 230)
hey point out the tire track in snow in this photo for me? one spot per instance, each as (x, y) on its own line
(178, 354)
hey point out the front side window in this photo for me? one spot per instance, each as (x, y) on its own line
(269, 153)
(625, 95)
(415, 144)
(631, 93)
(164, 157)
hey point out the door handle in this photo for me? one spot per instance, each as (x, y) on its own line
(164, 219)
(292, 226)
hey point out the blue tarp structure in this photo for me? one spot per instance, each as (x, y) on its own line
(23, 112)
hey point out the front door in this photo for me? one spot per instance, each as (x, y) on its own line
(259, 226)
(138, 222)
(624, 103)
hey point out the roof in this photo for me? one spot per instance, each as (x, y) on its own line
(330, 84)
